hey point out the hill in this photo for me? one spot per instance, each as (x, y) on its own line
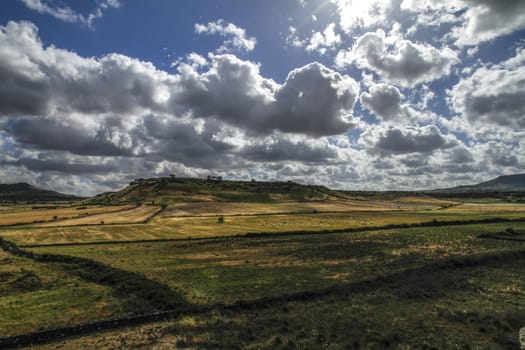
(172, 190)
(506, 183)
(23, 192)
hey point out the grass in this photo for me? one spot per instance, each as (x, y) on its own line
(226, 270)
(35, 296)
(463, 306)
(455, 286)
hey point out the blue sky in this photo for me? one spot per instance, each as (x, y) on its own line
(382, 94)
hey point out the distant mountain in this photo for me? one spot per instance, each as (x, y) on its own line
(23, 192)
(507, 183)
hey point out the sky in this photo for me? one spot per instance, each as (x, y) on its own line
(355, 95)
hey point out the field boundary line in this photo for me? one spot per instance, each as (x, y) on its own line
(161, 209)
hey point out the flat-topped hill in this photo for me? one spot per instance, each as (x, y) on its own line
(172, 190)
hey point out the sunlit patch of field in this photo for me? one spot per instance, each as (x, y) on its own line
(205, 227)
(4, 208)
(131, 215)
(426, 200)
(36, 296)
(487, 207)
(26, 215)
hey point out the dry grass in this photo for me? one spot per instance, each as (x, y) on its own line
(133, 215)
(426, 200)
(26, 215)
(202, 227)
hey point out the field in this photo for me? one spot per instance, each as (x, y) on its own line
(35, 214)
(406, 273)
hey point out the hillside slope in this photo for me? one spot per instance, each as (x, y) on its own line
(506, 183)
(23, 192)
(173, 190)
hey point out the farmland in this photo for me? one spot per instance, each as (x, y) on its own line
(347, 271)
(18, 215)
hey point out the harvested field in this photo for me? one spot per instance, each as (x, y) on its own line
(486, 207)
(26, 215)
(130, 215)
(202, 227)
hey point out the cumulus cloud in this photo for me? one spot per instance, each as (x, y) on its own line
(323, 41)
(276, 149)
(40, 81)
(396, 140)
(479, 21)
(292, 39)
(385, 102)
(44, 81)
(362, 14)
(498, 155)
(57, 135)
(492, 94)
(313, 100)
(237, 40)
(406, 63)
(66, 14)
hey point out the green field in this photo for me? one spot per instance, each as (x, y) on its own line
(408, 273)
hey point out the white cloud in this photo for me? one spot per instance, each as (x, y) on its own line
(45, 81)
(480, 21)
(396, 140)
(237, 40)
(52, 82)
(362, 14)
(493, 94)
(385, 101)
(407, 63)
(321, 41)
(66, 14)
(313, 100)
(292, 39)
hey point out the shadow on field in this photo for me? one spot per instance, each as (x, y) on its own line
(138, 294)
(230, 326)
(313, 319)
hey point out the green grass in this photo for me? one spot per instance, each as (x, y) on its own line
(319, 291)
(226, 270)
(37, 296)
(476, 305)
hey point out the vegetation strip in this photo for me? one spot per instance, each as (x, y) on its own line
(288, 233)
(419, 274)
